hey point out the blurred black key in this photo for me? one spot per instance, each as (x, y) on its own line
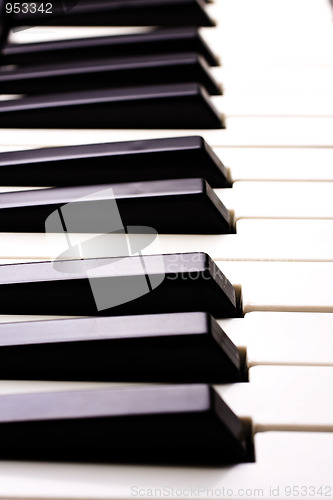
(159, 41)
(132, 161)
(5, 23)
(181, 206)
(174, 348)
(161, 106)
(118, 286)
(119, 13)
(108, 73)
(158, 424)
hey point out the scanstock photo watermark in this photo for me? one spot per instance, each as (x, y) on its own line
(111, 241)
(205, 492)
(202, 492)
(40, 11)
(91, 227)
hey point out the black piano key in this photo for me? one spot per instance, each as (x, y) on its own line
(181, 206)
(160, 106)
(132, 161)
(5, 23)
(179, 424)
(108, 73)
(120, 13)
(118, 286)
(168, 348)
(159, 41)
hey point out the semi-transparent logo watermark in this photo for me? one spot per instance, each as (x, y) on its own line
(97, 214)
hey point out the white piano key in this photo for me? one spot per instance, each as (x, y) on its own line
(9, 189)
(277, 131)
(279, 77)
(284, 398)
(35, 34)
(282, 286)
(283, 338)
(270, 240)
(287, 229)
(284, 460)
(280, 398)
(274, 102)
(262, 32)
(15, 318)
(5, 149)
(240, 132)
(284, 164)
(267, 164)
(291, 200)
(256, 240)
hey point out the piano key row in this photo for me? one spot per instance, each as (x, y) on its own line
(130, 107)
(225, 39)
(240, 132)
(159, 69)
(178, 157)
(262, 338)
(255, 240)
(165, 283)
(200, 209)
(87, 13)
(306, 406)
(142, 348)
(142, 43)
(284, 460)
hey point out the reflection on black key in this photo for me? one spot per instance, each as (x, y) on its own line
(132, 161)
(118, 286)
(181, 206)
(120, 13)
(182, 424)
(162, 106)
(158, 41)
(108, 73)
(181, 348)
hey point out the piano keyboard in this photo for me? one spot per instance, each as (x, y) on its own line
(213, 387)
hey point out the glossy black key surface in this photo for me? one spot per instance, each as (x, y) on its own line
(161, 106)
(108, 73)
(181, 206)
(132, 161)
(5, 23)
(181, 424)
(174, 348)
(158, 41)
(122, 286)
(120, 13)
